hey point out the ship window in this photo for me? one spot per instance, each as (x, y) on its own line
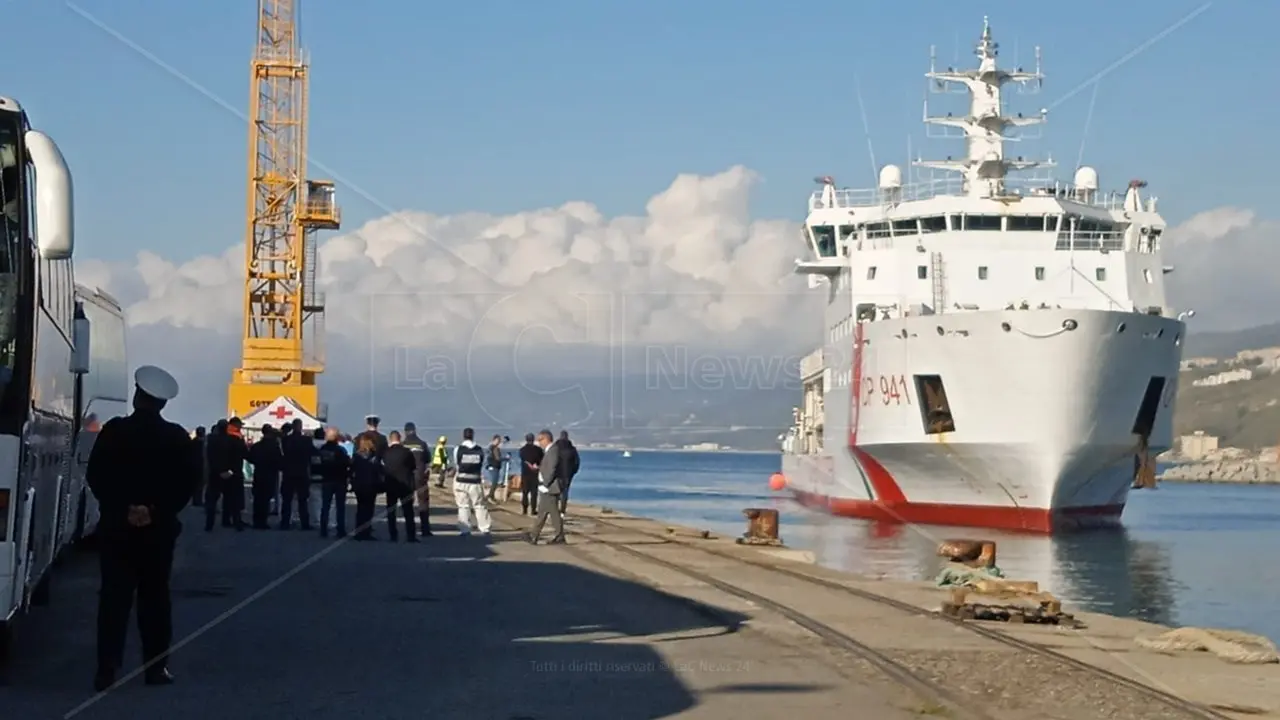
(982, 272)
(1100, 274)
(824, 238)
(1039, 273)
(922, 272)
(877, 230)
(848, 232)
(905, 227)
(1053, 223)
(937, 223)
(981, 222)
(935, 411)
(1146, 275)
(1025, 223)
(955, 222)
(871, 273)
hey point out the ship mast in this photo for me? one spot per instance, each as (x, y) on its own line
(985, 167)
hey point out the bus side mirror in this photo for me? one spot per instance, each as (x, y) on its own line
(55, 222)
(80, 342)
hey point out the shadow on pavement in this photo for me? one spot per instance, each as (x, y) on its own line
(451, 627)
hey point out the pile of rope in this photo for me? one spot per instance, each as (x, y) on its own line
(1232, 646)
(959, 575)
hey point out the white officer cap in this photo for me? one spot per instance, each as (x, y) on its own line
(156, 382)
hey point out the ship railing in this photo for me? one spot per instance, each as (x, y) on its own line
(1102, 240)
(951, 187)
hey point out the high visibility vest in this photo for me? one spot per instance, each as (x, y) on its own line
(440, 455)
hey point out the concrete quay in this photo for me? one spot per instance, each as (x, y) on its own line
(275, 624)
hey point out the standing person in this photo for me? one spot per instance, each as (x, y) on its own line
(530, 459)
(226, 478)
(142, 472)
(399, 471)
(422, 495)
(549, 484)
(201, 451)
(440, 460)
(379, 440)
(296, 477)
(366, 482)
(267, 458)
(468, 495)
(314, 491)
(568, 469)
(493, 462)
(335, 475)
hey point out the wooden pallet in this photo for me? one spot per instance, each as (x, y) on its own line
(1044, 614)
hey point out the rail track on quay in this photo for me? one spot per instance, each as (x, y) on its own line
(1002, 676)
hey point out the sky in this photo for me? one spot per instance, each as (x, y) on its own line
(656, 149)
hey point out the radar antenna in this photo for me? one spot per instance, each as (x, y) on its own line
(985, 127)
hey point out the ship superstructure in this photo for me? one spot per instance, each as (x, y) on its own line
(998, 350)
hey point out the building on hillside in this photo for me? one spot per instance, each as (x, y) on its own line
(1222, 378)
(1197, 445)
(1198, 363)
(1270, 354)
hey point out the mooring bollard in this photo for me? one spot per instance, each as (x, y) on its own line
(762, 527)
(974, 553)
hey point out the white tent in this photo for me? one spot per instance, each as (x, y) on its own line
(278, 412)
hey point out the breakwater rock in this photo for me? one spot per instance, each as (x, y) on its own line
(1246, 472)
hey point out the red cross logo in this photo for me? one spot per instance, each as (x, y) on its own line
(280, 413)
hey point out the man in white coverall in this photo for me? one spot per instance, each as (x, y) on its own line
(468, 490)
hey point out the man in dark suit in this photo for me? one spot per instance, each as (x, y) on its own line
(530, 461)
(550, 486)
(401, 472)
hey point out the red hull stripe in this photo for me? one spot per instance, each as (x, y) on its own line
(887, 491)
(1032, 520)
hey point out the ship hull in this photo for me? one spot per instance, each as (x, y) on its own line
(1047, 419)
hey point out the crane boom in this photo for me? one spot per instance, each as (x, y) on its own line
(282, 342)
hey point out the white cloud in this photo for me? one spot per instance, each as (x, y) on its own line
(1225, 263)
(694, 269)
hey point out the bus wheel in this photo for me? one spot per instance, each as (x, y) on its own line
(6, 652)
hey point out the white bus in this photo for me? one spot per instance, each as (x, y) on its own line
(102, 393)
(39, 333)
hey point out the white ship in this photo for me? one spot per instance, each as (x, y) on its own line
(999, 352)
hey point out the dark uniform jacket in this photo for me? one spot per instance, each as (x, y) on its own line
(400, 468)
(266, 458)
(227, 453)
(142, 459)
(297, 450)
(334, 466)
(421, 453)
(379, 442)
(569, 461)
(529, 453)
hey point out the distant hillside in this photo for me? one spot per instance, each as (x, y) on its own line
(1227, 344)
(1242, 414)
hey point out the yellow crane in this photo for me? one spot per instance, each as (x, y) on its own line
(282, 351)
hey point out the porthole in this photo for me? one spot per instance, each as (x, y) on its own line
(1120, 328)
(1006, 326)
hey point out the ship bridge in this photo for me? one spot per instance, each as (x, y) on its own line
(985, 230)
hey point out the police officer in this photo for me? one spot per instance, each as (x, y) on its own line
(422, 494)
(143, 472)
(379, 440)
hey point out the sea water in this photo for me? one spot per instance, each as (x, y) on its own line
(1198, 555)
